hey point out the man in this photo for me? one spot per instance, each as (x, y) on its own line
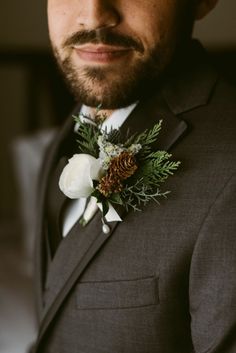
(162, 280)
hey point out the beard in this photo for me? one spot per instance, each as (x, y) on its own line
(116, 86)
(111, 88)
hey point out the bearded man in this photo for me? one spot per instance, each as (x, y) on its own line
(162, 280)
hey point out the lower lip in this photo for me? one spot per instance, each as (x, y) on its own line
(101, 57)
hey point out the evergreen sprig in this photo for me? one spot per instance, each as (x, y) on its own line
(87, 136)
(144, 186)
(146, 139)
(138, 195)
(156, 171)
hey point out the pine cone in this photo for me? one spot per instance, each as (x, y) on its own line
(110, 184)
(123, 166)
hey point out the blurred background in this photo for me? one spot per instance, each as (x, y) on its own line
(33, 98)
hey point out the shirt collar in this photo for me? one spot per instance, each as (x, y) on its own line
(114, 121)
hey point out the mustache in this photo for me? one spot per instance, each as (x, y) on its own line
(103, 36)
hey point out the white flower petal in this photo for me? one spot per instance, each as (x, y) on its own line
(77, 177)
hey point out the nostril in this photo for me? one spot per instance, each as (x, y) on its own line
(98, 16)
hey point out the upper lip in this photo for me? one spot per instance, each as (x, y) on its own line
(95, 48)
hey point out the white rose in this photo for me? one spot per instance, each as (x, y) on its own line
(77, 177)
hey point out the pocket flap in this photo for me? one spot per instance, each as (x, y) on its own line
(117, 294)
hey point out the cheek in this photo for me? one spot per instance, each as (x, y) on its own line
(153, 21)
(58, 20)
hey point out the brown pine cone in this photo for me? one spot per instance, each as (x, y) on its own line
(109, 184)
(123, 166)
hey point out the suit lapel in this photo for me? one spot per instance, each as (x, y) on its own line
(150, 112)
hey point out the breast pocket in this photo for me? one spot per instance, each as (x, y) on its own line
(117, 294)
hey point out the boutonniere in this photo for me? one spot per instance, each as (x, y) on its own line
(114, 170)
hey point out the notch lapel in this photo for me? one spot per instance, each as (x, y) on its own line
(150, 112)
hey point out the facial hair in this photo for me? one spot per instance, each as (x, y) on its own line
(103, 86)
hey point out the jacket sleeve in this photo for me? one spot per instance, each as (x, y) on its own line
(212, 292)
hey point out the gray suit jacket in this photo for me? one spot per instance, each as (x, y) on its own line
(164, 280)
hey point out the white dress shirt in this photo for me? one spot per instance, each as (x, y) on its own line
(76, 208)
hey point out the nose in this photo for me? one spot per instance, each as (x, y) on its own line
(96, 14)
